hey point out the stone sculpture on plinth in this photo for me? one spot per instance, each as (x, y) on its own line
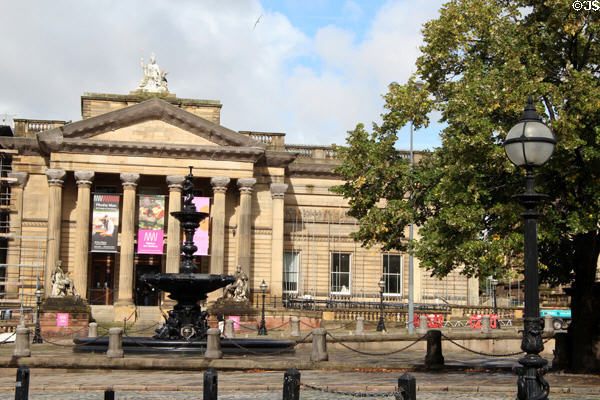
(154, 80)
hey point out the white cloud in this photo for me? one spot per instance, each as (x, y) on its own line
(270, 77)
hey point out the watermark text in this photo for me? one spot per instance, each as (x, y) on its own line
(586, 5)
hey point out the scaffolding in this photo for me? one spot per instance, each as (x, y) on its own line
(21, 257)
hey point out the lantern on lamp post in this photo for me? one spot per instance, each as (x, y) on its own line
(529, 144)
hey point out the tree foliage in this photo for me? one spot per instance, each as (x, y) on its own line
(480, 61)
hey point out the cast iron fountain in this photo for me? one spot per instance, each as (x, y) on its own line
(186, 320)
(184, 329)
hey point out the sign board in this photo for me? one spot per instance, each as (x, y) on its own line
(105, 222)
(62, 319)
(236, 321)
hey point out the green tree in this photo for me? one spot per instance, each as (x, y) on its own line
(480, 61)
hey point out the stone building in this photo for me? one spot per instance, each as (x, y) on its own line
(271, 210)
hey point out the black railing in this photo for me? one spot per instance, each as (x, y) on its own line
(335, 304)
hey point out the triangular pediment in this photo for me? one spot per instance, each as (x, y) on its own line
(153, 131)
(155, 121)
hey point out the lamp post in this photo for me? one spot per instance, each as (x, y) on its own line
(381, 324)
(494, 283)
(262, 329)
(37, 337)
(411, 268)
(529, 144)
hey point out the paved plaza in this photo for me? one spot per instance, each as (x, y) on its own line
(86, 376)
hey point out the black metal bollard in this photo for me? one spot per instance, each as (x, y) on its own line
(211, 381)
(22, 385)
(291, 384)
(408, 384)
(434, 358)
(109, 394)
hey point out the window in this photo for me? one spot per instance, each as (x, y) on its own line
(392, 274)
(340, 273)
(290, 272)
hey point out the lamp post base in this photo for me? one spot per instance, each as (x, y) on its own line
(262, 329)
(531, 384)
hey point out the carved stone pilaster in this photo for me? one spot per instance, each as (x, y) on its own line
(55, 176)
(219, 184)
(246, 185)
(84, 177)
(278, 190)
(175, 182)
(129, 179)
(21, 178)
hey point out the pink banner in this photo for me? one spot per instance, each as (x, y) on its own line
(201, 235)
(151, 224)
(150, 242)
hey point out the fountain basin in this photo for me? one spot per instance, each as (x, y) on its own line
(190, 287)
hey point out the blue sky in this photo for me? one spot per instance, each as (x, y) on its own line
(312, 68)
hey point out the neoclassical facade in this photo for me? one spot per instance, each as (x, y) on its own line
(271, 210)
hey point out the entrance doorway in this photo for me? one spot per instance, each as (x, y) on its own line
(102, 283)
(146, 295)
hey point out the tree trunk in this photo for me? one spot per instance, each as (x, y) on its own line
(584, 332)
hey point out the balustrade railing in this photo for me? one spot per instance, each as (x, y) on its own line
(28, 127)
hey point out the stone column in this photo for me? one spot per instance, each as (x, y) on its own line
(360, 326)
(295, 327)
(277, 194)
(13, 256)
(217, 240)
(115, 343)
(173, 228)
(124, 305)
(55, 182)
(473, 291)
(244, 231)
(213, 344)
(82, 229)
(319, 345)
(22, 342)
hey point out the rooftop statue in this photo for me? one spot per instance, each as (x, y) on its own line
(154, 80)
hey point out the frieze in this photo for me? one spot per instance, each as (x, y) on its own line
(310, 170)
(299, 237)
(322, 215)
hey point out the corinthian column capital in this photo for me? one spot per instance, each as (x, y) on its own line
(175, 182)
(18, 178)
(55, 176)
(129, 179)
(219, 184)
(246, 184)
(278, 190)
(84, 177)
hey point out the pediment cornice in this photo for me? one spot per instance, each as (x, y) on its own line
(153, 109)
(30, 146)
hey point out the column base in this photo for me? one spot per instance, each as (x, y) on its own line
(124, 311)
